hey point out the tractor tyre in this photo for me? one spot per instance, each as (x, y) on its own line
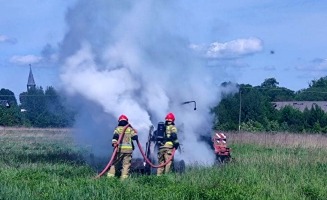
(179, 166)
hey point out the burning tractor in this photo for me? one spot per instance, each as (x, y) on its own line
(142, 166)
(222, 151)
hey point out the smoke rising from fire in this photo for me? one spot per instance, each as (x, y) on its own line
(125, 57)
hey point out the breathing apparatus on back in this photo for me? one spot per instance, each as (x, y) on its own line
(159, 135)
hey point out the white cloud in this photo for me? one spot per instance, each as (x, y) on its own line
(315, 65)
(6, 39)
(231, 49)
(27, 59)
(47, 57)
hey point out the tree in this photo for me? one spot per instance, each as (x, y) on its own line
(270, 83)
(9, 96)
(315, 115)
(59, 114)
(9, 115)
(278, 94)
(253, 105)
(317, 91)
(226, 113)
(293, 118)
(320, 83)
(270, 89)
(33, 101)
(45, 109)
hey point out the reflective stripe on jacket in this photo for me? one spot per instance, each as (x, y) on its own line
(169, 130)
(126, 145)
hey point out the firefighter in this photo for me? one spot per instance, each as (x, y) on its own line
(125, 148)
(166, 147)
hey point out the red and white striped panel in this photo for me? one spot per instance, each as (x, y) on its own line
(222, 137)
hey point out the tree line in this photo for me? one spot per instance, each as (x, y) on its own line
(37, 108)
(249, 108)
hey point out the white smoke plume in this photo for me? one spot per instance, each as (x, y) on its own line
(123, 57)
(231, 49)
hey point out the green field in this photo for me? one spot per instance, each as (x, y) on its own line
(45, 164)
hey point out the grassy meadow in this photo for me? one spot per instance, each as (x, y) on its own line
(45, 164)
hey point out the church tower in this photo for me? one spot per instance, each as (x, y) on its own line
(30, 82)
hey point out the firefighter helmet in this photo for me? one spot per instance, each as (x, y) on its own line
(170, 117)
(122, 117)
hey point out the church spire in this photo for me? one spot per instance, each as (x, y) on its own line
(30, 82)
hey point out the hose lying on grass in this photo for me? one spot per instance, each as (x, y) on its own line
(149, 162)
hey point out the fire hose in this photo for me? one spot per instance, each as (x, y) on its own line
(150, 163)
(141, 150)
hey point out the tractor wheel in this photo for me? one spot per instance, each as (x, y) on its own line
(179, 166)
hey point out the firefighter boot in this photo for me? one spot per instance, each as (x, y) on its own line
(112, 171)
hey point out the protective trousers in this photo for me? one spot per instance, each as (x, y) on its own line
(163, 155)
(124, 160)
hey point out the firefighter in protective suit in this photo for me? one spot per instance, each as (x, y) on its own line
(125, 148)
(166, 147)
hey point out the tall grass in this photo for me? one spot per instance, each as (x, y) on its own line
(37, 165)
(280, 139)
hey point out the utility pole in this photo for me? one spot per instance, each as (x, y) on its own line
(239, 113)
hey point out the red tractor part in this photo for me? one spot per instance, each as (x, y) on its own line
(222, 151)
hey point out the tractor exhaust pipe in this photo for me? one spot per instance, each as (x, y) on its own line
(187, 102)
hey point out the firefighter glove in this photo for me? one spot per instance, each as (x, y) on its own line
(135, 137)
(114, 144)
(115, 136)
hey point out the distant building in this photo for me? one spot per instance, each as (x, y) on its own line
(301, 105)
(30, 82)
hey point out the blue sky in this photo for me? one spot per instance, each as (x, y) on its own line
(238, 36)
